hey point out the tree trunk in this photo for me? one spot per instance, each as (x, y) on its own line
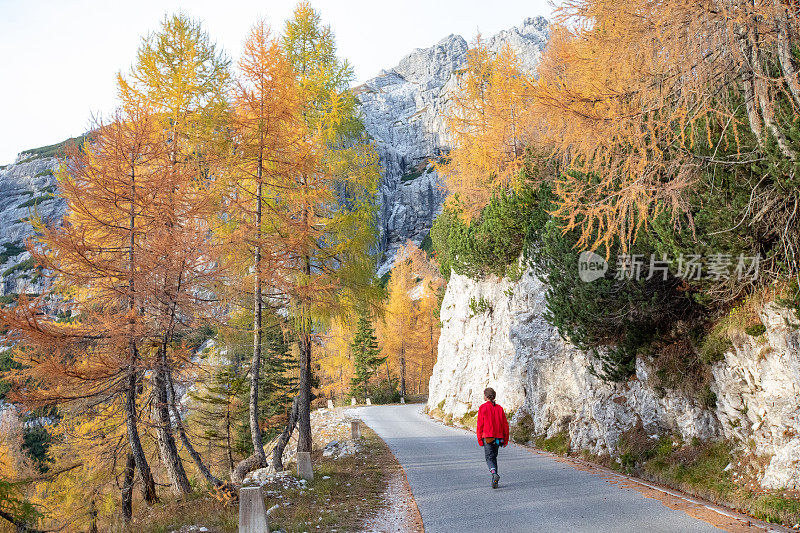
(131, 421)
(255, 366)
(131, 415)
(231, 464)
(127, 489)
(304, 403)
(304, 442)
(784, 46)
(402, 369)
(198, 460)
(286, 434)
(93, 516)
(166, 440)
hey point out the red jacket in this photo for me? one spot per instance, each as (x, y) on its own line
(492, 422)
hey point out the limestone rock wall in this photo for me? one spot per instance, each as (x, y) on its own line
(758, 394)
(27, 189)
(503, 341)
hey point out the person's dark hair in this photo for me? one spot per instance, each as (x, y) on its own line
(489, 393)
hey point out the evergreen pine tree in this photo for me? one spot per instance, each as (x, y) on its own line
(277, 385)
(366, 356)
(217, 407)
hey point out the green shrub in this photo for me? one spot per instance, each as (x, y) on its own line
(36, 201)
(36, 441)
(11, 249)
(613, 317)
(558, 443)
(28, 264)
(714, 347)
(492, 243)
(385, 393)
(756, 330)
(427, 245)
(410, 176)
(708, 398)
(479, 306)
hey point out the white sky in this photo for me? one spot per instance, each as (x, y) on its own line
(58, 58)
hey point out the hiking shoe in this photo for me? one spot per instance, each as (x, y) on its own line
(495, 480)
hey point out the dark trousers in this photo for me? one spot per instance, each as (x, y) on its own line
(490, 450)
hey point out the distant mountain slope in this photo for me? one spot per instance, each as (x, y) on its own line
(404, 111)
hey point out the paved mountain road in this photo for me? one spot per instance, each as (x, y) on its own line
(450, 482)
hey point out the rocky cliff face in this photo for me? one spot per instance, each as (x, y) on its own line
(27, 189)
(404, 111)
(503, 341)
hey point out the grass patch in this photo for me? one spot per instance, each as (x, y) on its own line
(36, 201)
(558, 443)
(521, 431)
(52, 150)
(756, 330)
(776, 508)
(469, 420)
(8, 299)
(791, 298)
(698, 468)
(28, 264)
(411, 176)
(714, 347)
(43, 173)
(11, 249)
(352, 493)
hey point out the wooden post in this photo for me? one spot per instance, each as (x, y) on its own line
(402, 399)
(330, 404)
(304, 468)
(369, 402)
(352, 401)
(355, 428)
(252, 512)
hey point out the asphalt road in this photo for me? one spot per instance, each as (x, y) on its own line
(450, 481)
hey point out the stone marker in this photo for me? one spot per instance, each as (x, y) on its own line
(330, 404)
(352, 401)
(355, 427)
(369, 402)
(304, 469)
(252, 512)
(402, 399)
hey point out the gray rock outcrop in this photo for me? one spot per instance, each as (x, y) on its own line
(28, 189)
(507, 344)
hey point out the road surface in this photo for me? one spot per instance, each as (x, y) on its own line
(450, 482)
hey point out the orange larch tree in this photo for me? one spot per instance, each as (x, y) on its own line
(489, 122)
(96, 260)
(269, 149)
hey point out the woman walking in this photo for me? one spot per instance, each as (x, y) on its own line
(492, 431)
